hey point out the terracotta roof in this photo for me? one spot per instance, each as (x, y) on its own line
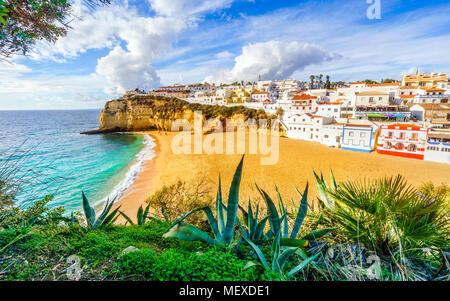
(303, 97)
(406, 96)
(330, 103)
(357, 83)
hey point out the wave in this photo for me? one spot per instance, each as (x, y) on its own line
(146, 153)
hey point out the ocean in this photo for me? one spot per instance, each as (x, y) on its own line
(43, 153)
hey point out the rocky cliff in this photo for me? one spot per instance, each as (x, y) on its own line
(149, 112)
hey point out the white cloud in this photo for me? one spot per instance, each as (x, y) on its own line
(224, 55)
(188, 8)
(125, 70)
(110, 27)
(272, 60)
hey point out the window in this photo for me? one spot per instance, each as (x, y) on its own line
(414, 136)
(351, 134)
(399, 146)
(362, 135)
(390, 134)
(412, 147)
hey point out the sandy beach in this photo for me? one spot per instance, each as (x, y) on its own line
(297, 160)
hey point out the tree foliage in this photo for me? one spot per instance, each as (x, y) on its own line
(23, 22)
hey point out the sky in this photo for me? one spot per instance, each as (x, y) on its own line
(151, 43)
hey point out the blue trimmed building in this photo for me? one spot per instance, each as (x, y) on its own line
(357, 137)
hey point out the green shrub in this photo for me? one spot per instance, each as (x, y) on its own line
(177, 265)
(96, 245)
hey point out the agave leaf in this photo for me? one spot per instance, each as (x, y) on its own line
(260, 228)
(88, 212)
(109, 220)
(147, 208)
(219, 209)
(251, 221)
(272, 212)
(269, 235)
(282, 259)
(188, 232)
(302, 211)
(276, 252)
(105, 212)
(318, 233)
(209, 215)
(302, 265)
(256, 217)
(284, 219)
(244, 233)
(126, 217)
(258, 252)
(297, 243)
(232, 206)
(140, 216)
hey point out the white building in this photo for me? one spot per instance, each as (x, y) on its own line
(315, 128)
(372, 99)
(438, 146)
(260, 96)
(358, 137)
(330, 109)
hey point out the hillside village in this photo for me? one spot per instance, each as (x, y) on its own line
(409, 119)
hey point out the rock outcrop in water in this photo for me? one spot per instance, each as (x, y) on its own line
(142, 112)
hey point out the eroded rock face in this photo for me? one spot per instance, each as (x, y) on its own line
(139, 115)
(150, 113)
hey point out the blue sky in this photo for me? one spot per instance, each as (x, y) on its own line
(149, 43)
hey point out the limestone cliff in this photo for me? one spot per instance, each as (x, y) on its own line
(149, 112)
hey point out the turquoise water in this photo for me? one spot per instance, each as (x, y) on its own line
(50, 157)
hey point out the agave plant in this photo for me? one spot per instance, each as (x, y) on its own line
(280, 256)
(222, 226)
(142, 215)
(104, 218)
(254, 229)
(279, 221)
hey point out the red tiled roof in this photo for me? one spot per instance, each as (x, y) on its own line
(303, 97)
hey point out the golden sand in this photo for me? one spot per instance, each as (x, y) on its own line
(295, 167)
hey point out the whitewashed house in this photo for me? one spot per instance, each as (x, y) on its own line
(438, 146)
(315, 128)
